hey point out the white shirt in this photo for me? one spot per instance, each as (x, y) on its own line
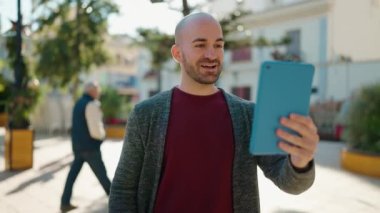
(94, 117)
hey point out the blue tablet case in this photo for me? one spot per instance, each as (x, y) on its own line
(283, 88)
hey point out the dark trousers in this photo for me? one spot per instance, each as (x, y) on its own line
(94, 159)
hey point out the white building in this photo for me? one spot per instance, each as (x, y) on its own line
(340, 37)
(121, 72)
(323, 32)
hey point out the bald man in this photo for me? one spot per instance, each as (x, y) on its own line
(87, 134)
(186, 149)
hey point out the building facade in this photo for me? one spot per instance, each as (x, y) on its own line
(339, 37)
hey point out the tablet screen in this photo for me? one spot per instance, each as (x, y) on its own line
(283, 88)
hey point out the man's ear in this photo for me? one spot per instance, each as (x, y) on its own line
(176, 53)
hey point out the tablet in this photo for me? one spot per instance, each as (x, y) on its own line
(283, 88)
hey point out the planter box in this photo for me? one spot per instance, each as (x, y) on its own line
(3, 119)
(115, 131)
(361, 163)
(18, 149)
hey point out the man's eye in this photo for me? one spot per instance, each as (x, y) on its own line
(219, 46)
(200, 45)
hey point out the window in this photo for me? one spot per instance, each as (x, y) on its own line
(242, 92)
(294, 48)
(241, 54)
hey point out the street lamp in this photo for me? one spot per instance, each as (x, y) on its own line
(18, 74)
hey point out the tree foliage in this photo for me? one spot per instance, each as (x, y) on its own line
(70, 37)
(230, 24)
(19, 101)
(111, 102)
(158, 44)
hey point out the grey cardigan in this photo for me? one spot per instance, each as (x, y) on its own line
(138, 173)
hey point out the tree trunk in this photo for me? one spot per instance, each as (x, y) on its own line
(186, 8)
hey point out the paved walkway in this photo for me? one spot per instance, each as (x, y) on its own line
(39, 189)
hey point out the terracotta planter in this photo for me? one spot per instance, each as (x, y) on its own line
(115, 131)
(3, 119)
(18, 149)
(366, 164)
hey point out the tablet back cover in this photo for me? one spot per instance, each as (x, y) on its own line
(283, 88)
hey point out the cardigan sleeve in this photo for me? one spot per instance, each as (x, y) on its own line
(280, 171)
(123, 194)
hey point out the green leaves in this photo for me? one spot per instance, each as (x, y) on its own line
(114, 105)
(21, 106)
(71, 37)
(158, 43)
(230, 24)
(111, 102)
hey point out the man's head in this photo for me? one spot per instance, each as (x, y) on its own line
(199, 48)
(92, 88)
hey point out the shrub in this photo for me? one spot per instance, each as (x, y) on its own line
(110, 102)
(115, 106)
(363, 133)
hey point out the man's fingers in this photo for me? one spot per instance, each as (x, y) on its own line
(305, 120)
(297, 140)
(299, 127)
(303, 145)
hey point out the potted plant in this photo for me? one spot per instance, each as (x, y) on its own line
(362, 134)
(19, 135)
(113, 107)
(19, 105)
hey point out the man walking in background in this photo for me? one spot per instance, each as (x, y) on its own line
(87, 134)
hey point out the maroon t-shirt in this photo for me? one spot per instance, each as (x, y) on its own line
(198, 157)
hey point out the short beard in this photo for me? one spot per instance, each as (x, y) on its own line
(195, 74)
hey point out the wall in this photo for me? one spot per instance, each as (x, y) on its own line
(53, 114)
(171, 75)
(242, 77)
(343, 79)
(310, 35)
(355, 29)
(313, 38)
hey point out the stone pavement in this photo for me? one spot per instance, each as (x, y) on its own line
(39, 189)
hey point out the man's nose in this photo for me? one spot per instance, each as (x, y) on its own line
(210, 53)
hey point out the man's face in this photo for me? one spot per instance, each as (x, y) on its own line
(98, 92)
(95, 92)
(202, 48)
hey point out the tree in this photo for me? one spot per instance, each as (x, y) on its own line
(186, 9)
(231, 24)
(158, 44)
(71, 37)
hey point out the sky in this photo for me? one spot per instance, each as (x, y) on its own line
(133, 14)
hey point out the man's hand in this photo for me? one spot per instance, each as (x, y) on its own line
(303, 146)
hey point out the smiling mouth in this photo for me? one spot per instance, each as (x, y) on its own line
(208, 66)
